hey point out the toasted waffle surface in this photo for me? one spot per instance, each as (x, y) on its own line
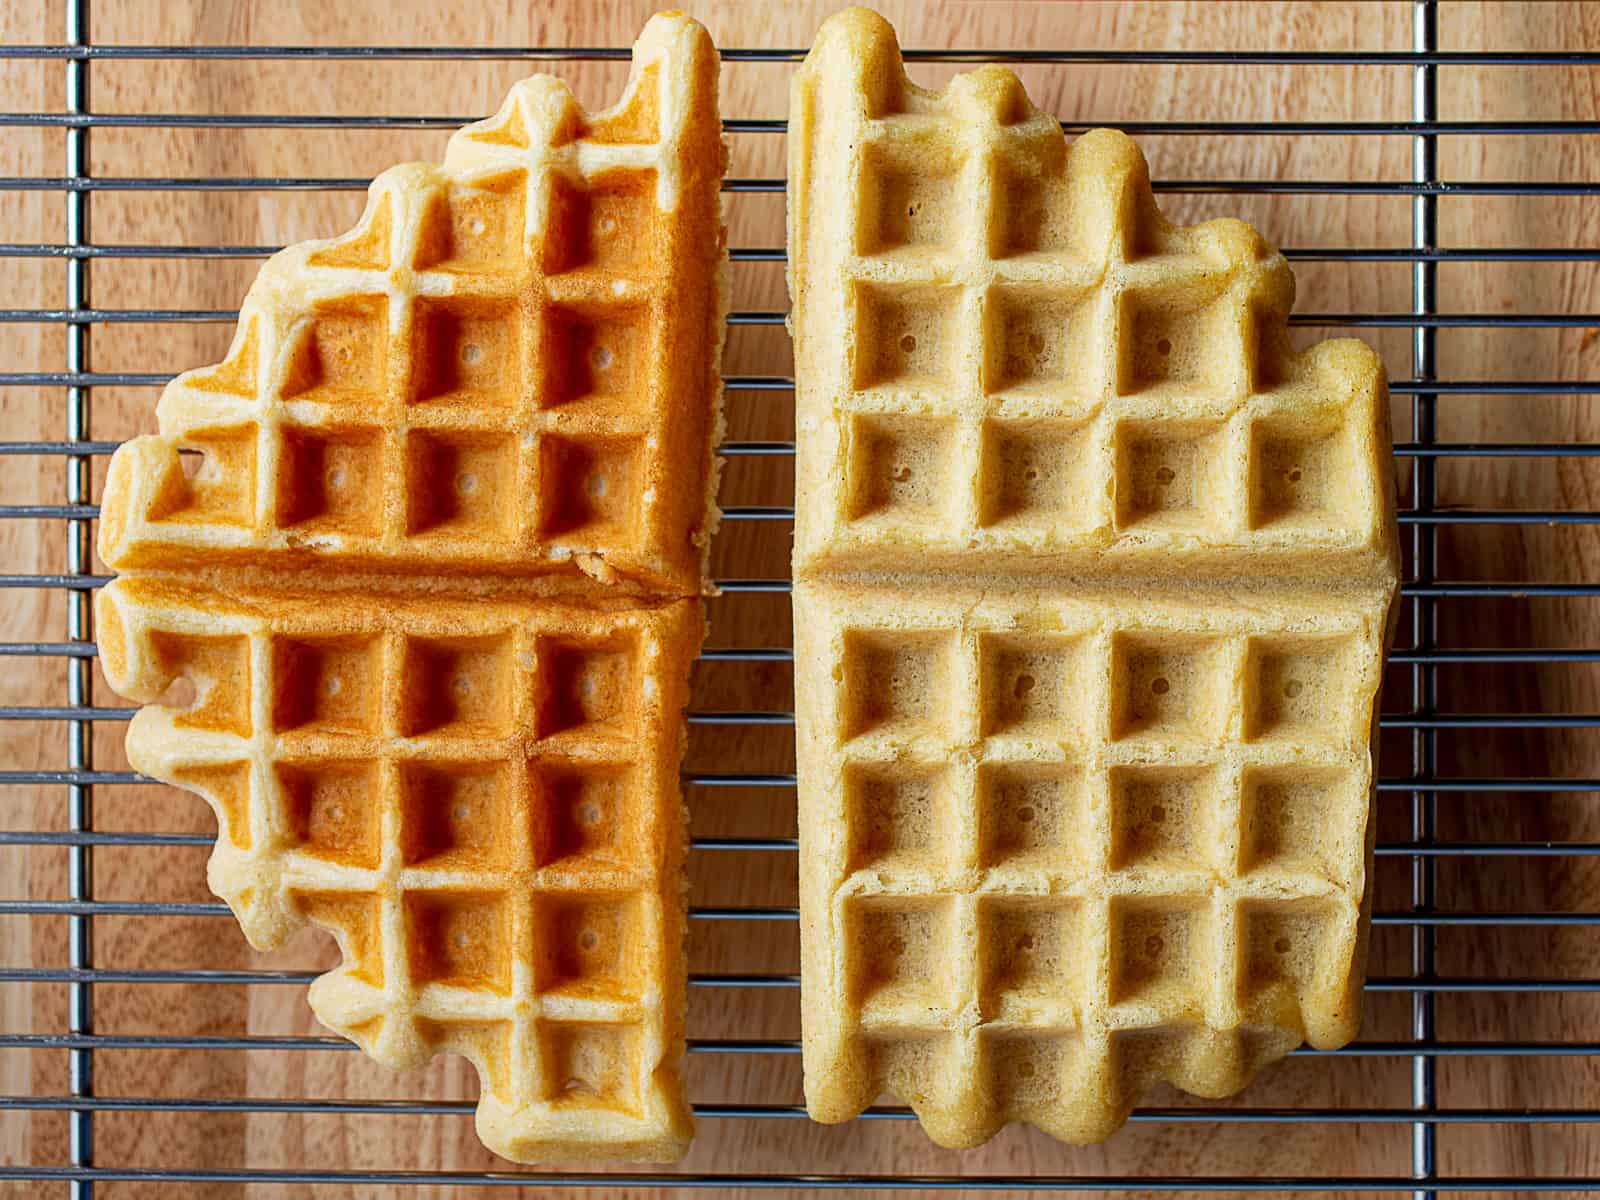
(478, 797)
(1094, 578)
(428, 548)
(503, 369)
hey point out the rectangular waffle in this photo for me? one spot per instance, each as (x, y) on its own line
(1094, 578)
(478, 797)
(501, 370)
(430, 545)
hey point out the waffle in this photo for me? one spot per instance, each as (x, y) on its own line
(479, 798)
(1094, 579)
(427, 552)
(501, 371)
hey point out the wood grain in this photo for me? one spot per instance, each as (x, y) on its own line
(1077, 93)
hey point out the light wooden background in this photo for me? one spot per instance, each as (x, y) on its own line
(1076, 93)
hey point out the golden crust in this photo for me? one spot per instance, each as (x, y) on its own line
(507, 367)
(478, 797)
(435, 576)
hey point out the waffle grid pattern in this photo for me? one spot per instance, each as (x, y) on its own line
(1054, 827)
(465, 795)
(435, 576)
(480, 376)
(1094, 576)
(98, 1156)
(1022, 333)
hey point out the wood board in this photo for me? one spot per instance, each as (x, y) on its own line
(1079, 93)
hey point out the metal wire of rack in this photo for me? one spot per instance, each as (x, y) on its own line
(1424, 655)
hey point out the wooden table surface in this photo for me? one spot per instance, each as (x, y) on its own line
(1079, 93)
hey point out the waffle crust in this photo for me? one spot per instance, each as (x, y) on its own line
(428, 547)
(1094, 580)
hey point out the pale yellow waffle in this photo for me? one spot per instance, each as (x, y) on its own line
(1094, 579)
(434, 580)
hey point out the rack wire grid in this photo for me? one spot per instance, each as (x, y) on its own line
(144, 1049)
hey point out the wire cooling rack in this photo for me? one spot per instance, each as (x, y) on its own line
(1415, 716)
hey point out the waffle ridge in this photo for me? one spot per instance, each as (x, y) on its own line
(1042, 375)
(427, 551)
(1094, 576)
(498, 371)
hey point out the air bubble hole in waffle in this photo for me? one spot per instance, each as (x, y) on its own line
(1094, 577)
(428, 550)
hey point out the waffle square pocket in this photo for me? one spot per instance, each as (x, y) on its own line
(430, 546)
(1094, 576)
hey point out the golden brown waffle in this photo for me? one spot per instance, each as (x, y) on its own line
(479, 797)
(502, 370)
(1094, 578)
(432, 568)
